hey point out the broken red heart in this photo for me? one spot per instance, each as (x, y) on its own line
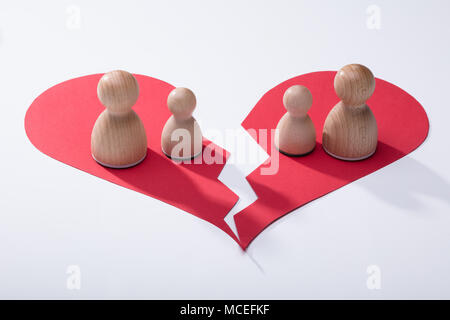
(59, 123)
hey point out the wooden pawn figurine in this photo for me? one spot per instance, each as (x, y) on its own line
(350, 131)
(118, 138)
(181, 138)
(296, 134)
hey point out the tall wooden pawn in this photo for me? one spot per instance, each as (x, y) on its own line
(118, 138)
(350, 131)
(181, 138)
(296, 134)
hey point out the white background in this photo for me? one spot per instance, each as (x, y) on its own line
(229, 53)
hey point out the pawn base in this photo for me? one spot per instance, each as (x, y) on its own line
(122, 166)
(295, 155)
(348, 159)
(181, 158)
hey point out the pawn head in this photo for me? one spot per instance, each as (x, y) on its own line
(181, 102)
(297, 100)
(118, 91)
(354, 84)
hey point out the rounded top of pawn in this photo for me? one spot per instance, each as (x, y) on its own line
(297, 100)
(181, 102)
(118, 91)
(354, 84)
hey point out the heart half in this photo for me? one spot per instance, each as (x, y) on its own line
(59, 123)
(402, 127)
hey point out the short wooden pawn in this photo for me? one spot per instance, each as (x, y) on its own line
(295, 134)
(181, 137)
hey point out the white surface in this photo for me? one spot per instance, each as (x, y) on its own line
(229, 53)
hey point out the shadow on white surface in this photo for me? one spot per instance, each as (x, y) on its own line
(405, 182)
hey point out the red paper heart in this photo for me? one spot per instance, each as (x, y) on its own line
(60, 121)
(402, 127)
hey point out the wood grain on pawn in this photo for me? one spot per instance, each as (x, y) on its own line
(118, 138)
(350, 131)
